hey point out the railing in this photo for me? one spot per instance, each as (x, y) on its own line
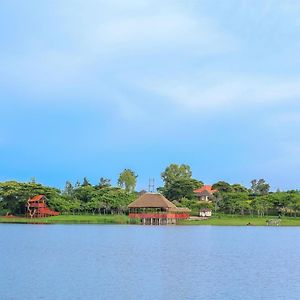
(37, 205)
(159, 216)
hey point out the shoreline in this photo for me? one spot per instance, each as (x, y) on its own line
(224, 220)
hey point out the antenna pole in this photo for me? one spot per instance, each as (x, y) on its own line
(151, 185)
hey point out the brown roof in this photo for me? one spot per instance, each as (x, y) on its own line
(151, 200)
(180, 210)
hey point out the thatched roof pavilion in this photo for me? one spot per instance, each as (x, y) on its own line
(155, 209)
(152, 200)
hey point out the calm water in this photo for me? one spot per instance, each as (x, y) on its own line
(135, 262)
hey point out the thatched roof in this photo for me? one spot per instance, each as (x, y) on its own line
(180, 210)
(152, 200)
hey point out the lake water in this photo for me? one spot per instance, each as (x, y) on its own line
(135, 262)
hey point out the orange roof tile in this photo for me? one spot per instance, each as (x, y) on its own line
(207, 188)
(36, 198)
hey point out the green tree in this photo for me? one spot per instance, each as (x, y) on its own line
(239, 188)
(14, 195)
(103, 183)
(85, 182)
(260, 187)
(69, 189)
(222, 187)
(174, 172)
(127, 180)
(181, 188)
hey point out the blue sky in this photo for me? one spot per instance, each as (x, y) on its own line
(88, 88)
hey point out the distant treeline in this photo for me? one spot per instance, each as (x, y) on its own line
(103, 198)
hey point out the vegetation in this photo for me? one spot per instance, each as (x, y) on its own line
(237, 220)
(71, 219)
(127, 180)
(104, 199)
(178, 182)
(82, 199)
(216, 220)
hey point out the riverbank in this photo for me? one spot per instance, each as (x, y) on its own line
(233, 220)
(70, 219)
(222, 220)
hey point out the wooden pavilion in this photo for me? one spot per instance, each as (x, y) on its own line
(155, 209)
(37, 208)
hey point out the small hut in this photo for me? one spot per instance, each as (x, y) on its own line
(37, 208)
(155, 209)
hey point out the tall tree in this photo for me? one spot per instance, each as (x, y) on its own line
(103, 183)
(127, 180)
(181, 188)
(259, 187)
(178, 182)
(69, 189)
(223, 187)
(174, 172)
(85, 182)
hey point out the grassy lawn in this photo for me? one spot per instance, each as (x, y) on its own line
(72, 219)
(226, 220)
(222, 220)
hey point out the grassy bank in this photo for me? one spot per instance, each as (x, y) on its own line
(72, 219)
(222, 220)
(227, 220)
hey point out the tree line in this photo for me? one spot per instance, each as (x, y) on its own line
(178, 186)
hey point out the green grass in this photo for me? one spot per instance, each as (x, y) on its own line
(72, 219)
(228, 220)
(222, 220)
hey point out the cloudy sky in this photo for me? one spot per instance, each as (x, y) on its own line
(90, 87)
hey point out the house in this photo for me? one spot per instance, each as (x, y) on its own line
(205, 213)
(205, 193)
(155, 209)
(37, 207)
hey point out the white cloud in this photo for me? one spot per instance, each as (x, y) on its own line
(227, 92)
(99, 36)
(160, 33)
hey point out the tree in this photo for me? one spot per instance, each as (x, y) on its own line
(14, 195)
(69, 189)
(127, 180)
(261, 204)
(259, 187)
(84, 193)
(222, 186)
(181, 188)
(178, 182)
(103, 183)
(239, 188)
(85, 182)
(174, 172)
(235, 203)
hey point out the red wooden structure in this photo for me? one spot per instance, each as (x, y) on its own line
(155, 209)
(37, 208)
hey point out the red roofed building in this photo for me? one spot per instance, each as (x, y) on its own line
(205, 193)
(37, 207)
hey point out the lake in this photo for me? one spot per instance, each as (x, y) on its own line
(143, 262)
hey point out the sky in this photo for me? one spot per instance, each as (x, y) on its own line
(89, 88)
